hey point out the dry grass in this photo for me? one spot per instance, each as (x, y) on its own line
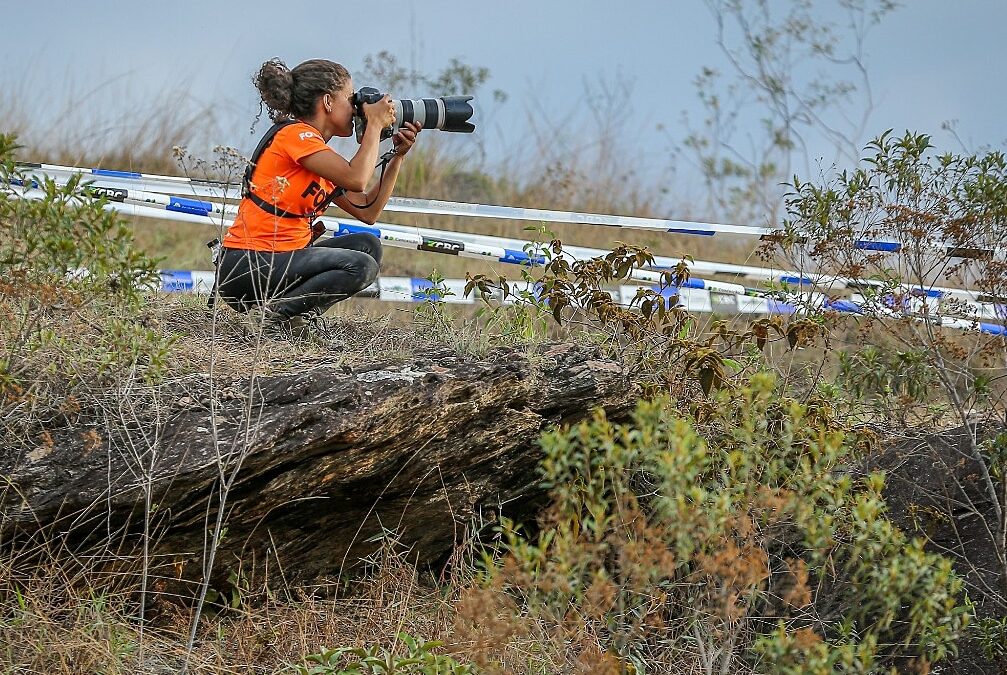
(67, 129)
(75, 616)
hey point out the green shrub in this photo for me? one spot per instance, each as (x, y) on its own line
(737, 539)
(71, 288)
(420, 659)
(946, 211)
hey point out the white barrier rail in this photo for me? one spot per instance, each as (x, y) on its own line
(198, 212)
(186, 210)
(412, 289)
(186, 205)
(155, 183)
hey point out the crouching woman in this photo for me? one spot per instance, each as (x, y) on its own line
(268, 258)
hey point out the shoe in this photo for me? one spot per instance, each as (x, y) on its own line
(296, 327)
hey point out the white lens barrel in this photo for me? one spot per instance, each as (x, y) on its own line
(430, 113)
(442, 114)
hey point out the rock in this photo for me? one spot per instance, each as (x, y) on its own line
(330, 458)
(934, 491)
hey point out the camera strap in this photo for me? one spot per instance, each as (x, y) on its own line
(273, 209)
(246, 192)
(318, 227)
(246, 181)
(382, 164)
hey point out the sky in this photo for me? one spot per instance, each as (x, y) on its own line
(91, 68)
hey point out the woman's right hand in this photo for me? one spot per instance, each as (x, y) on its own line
(380, 114)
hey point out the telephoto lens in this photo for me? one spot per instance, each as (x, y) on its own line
(447, 113)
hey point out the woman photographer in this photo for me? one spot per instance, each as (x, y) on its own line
(268, 259)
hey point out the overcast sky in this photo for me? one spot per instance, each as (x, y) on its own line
(931, 62)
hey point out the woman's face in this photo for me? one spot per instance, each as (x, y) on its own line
(342, 111)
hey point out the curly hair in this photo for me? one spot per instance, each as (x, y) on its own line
(293, 93)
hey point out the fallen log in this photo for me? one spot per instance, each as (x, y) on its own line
(317, 465)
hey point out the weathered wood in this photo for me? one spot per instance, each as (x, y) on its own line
(330, 458)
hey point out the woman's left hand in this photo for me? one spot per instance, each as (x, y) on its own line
(406, 136)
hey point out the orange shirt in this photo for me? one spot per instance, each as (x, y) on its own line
(280, 179)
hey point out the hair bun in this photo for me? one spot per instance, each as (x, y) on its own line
(275, 83)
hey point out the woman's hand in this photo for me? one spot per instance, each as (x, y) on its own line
(380, 114)
(406, 136)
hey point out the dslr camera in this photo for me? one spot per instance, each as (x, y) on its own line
(447, 113)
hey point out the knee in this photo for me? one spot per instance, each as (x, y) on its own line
(358, 270)
(369, 270)
(372, 247)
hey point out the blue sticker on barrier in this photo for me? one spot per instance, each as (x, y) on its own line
(929, 292)
(797, 281)
(116, 174)
(191, 206)
(693, 283)
(670, 292)
(840, 305)
(345, 228)
(866, 245)
(683, 230)
(667, 291)
(176, 280)
(521, 258)
(423, 289)
(993, 328)
(16, 181)
(538, 290)
(902, 302)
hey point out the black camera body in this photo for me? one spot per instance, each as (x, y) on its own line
(447, 113)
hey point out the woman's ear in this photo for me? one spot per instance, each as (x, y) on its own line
(327, 100)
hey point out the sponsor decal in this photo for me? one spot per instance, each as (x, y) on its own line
(304, 135)
(442, 246)
(112, 194)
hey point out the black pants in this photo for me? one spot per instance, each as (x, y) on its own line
(295, 282)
